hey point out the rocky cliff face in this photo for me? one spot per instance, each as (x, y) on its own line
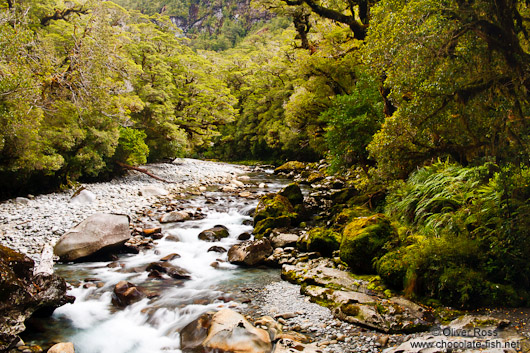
(210, 16)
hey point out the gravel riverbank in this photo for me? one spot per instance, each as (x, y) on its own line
(26, 224)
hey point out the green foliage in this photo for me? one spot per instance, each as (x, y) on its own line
(474, 222)
(457, 94)
(131, 147)
(72, 76)
(351, 122)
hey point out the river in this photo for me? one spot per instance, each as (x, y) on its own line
(95, 325)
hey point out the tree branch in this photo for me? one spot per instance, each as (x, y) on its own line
(62, 15)
(358, 29)
(141, 170)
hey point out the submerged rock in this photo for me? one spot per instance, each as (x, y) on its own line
(23, 293)
(98, 233)
(250, 252)
(224, 331)
(172, 271)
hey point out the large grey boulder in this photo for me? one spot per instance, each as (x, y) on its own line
(250, 253)
(22, 293)
(99, 232)
(224, 331)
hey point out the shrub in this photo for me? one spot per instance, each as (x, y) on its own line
(475, 225)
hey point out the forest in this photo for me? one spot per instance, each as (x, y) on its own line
(425, 102)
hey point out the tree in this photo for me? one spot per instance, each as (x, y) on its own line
(458, 73)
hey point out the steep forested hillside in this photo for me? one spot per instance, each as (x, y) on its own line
(212, 24)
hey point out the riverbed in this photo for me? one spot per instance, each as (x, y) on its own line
(218, 194)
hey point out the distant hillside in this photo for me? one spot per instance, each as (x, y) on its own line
(212, 24)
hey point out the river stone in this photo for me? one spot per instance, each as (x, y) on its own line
(244, 236)
(214, 234)
(153, 190)
(126, 293)
(65, 347)
(285, 345)
(225, 331)
(250, 253)
(218, 249)
(293, 194)
(281, 240)
(22, 293)
(171, 270)
(175, 216)
(99, 232)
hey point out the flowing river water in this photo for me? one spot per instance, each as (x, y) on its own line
(95, 325)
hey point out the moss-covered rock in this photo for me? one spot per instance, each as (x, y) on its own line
(273, 211)
(273, 205)
(291, 166)
(293, 193)
(343, 195)
(392, 268)
(363, 240)
(265, 226)
(315, 177)
(348, 214)
(322, 240)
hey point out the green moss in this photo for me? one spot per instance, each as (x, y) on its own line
(363, 241)
(381, 309)
(273, 205)
(315, 177)
(348, 214)
(264, 227)
(290, 167)
(321, 240)
(352, 310)
(293, 193)
(392, 267)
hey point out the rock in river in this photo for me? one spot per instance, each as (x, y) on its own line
(224, 331)
(214, 234)
(64, 347)
(250, 252)
(99, 232)
(22, 293)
